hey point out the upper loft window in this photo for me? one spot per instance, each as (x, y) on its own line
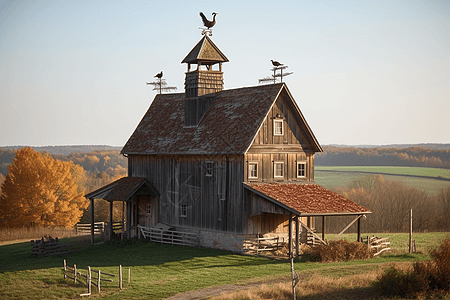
(209, 166)
(252, 170)
(301, 169)
(278, 169)
(278, 127)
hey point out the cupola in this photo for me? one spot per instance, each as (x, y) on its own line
(203, 81)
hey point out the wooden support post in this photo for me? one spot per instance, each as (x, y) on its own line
(358, 237)
(75, 273)
(129, 275)
(65, 268)
(290, 235)
(410, 231)
(120, 276)
(297, 233)
(323, 228)
(89, 280)
(99, 279)
(92, 221)
(110, 220)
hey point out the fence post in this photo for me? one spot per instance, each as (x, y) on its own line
(65, 269)
(120, 276)
(88, 280)
(98, 283)
(75, 273)
(129, 275)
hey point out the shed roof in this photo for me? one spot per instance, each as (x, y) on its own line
(205, 50)
(308, 199)
(228, 127)
(123, 189)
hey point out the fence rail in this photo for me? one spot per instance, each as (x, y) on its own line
(99, 227)
(171, 237)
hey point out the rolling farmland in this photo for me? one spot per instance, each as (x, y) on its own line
(430, 180)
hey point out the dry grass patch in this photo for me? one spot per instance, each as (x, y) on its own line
(319, 286)
(14, 235)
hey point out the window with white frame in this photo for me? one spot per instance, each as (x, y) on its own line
(278, 169)
(301, 169)
(209, 166)
(183, 210)
(253, 170)
(278, 127)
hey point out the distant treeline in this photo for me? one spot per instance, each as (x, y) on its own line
(409, 157)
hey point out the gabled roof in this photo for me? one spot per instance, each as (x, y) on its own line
(228, 127)
(123, 189)
(307, 199)
(205, 50)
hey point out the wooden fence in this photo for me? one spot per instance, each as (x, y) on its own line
(76, 275)
(99, 227)
(261, 244)
(377, 244)
(166, 236)
(49, 247)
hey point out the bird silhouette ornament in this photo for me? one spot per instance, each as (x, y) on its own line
(275, 63)
(208, 24)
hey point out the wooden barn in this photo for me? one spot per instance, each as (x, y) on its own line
(224, 163)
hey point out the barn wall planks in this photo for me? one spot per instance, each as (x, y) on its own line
(289, 148)
(208, 188)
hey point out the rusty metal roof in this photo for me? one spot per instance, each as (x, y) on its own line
(123, 189)
(228, 126)
(205, 50)
(308, 199)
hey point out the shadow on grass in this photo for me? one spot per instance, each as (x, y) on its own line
(17, 257)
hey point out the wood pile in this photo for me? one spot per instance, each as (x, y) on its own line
(49, 246)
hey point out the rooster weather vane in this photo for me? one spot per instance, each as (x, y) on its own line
(161, 84)
(208, 24)
(277, 66)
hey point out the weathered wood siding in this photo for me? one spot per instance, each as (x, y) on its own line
(289, 148)
(212, 202)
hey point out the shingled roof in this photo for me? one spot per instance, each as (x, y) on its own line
(123, 189)
(307, 199)
(228, 127)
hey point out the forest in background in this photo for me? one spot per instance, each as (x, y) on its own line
(384, 198)
(437, 156)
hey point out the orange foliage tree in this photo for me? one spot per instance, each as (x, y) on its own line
(41, 191)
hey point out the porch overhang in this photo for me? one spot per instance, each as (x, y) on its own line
(123, 189)
(307, 200)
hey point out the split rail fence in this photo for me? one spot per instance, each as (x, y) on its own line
(49, 247)
(76, 275)
(171, 237)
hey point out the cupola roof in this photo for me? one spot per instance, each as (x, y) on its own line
(205, 51)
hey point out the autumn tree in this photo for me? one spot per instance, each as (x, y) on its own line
(41, 191)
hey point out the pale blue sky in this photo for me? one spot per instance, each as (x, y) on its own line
(365, 72)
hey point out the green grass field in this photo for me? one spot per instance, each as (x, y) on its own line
(159, 271)
(347, 174)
